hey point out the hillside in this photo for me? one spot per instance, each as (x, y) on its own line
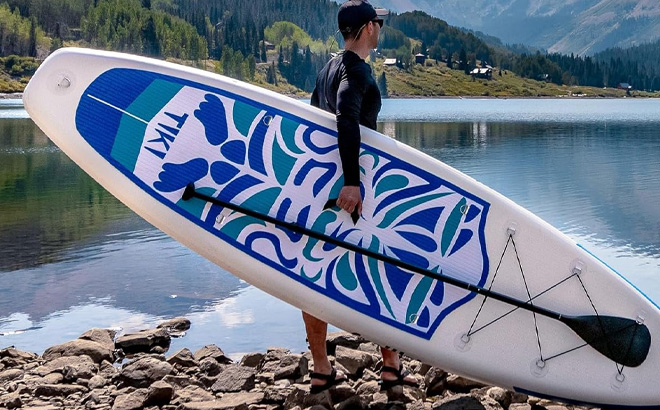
(282, 45)
(581, 27)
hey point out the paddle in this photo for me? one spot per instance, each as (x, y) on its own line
(623, 340)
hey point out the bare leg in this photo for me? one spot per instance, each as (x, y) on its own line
(316, 333)
(391, 359)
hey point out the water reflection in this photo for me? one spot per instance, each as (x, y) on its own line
(597, 180)
(72, 257)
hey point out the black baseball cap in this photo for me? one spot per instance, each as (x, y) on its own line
(353, 14)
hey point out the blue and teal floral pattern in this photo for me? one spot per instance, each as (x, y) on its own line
(165, 133)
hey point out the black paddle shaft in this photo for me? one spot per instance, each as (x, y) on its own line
(601, 332)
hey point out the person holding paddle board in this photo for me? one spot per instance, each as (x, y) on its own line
(346, 88)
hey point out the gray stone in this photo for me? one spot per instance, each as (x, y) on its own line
(212, 352)
(434, 380)
(461, 384)
(143, 372)
(344, 339)
(60, 364)
(502, 396)
(354, 361)
(97, 382)
(179, 324)
(130, 401)
(191, 394)
(235, 378)
(183, 358)
(58, 390)
(252, 359)
(12, 357)
(368, 388)
(291, 366)
(299, 396)
(210, 367)
(352, 403)
(104, 337)
(96, 351)
(180, 381)
(241, 399)
(460, 402)
(276, 394)
(11, 375)
(211, 405)
(160, 393)
(156, 341)
(11, 401)
(79, 369)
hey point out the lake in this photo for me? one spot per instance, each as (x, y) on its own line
(72, 256)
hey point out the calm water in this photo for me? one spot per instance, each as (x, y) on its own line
(72, 256)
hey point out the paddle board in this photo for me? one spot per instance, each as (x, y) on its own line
(167, 140)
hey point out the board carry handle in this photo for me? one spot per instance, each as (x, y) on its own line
(624, 340)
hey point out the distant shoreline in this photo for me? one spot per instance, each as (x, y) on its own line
(19, 96)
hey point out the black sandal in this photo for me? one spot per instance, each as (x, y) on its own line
(400, 378)
(330, 381)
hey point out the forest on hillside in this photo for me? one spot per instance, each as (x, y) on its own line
(236, 34)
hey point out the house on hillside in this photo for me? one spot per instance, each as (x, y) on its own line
(389, 62)
(420, 58)
(486, 73)
(624, 86)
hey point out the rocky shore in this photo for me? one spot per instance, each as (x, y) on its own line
(100, 371)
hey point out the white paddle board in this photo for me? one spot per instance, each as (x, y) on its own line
(148, 130)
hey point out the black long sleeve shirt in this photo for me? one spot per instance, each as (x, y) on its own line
(346, 88)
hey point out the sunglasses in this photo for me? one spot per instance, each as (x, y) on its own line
(379, 21)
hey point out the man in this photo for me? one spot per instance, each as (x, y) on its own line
(346, 88)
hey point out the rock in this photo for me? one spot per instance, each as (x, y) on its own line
(210, 367)
(180, 381)
(130, 401)
(83, 368)
(352, 403)
(434, 380)
(96, 351)
(10, 375)
(291, 366)
(461, 384)
(12, 357)
(104, 337)
(212, 352)
(500, 395)
(73, 363)
(11, 401)
(145, 342)
(58, 390)
(235, 378)
(183, 358)
(97, 382)
(179, 324)
(344, 339)
(368, 388)
(143, 372)
(210, 405)
(299, 396)
(355, 361)
(241, 399)
(460, 402)
(191, 394)
(159, 394)
(252, 359)
(276, 394)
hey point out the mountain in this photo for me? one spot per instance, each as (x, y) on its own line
(582, 27)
